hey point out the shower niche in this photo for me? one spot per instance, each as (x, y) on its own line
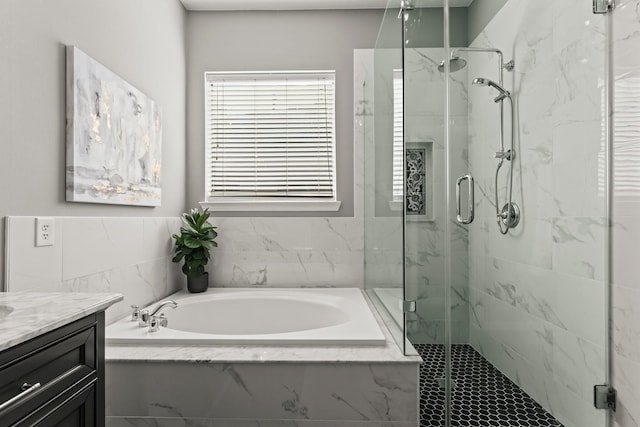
(418, 181)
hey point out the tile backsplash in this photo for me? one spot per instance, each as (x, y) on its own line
(288, 252)
(131, 256)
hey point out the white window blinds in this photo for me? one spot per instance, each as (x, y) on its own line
(270, 134)
(398, 134)
(626, 169)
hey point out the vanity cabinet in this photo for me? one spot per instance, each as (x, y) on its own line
(55, 379)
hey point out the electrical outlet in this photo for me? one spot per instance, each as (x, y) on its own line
(45, 231)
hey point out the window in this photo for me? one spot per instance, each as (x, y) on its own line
(270, 140)
(398, 135)
(412, 186)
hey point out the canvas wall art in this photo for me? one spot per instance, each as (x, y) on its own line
(114, 137)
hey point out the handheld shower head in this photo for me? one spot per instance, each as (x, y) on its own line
(482, 81)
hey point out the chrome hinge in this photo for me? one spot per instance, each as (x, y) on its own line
(604, 397)
(407, 4)
(409, 306)
(603, 6)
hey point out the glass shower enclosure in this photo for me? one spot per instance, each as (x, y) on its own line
(486, 205)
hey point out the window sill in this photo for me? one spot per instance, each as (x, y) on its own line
(239, 205)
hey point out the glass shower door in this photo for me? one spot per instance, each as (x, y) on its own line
(422, 168)
(486, 205)
(527, 152)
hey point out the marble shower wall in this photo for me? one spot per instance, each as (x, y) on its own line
(626, 212)
(131, 256)
(424, 261)
(537, 295)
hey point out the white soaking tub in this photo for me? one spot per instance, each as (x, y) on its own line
(272, 316)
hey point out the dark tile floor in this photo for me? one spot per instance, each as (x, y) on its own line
(482, 395)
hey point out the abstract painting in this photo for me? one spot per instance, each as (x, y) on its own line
(114, 137)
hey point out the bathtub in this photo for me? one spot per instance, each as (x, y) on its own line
(273, 316)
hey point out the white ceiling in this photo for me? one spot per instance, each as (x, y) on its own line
(306, 4)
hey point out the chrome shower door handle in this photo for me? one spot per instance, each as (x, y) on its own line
(459, 217)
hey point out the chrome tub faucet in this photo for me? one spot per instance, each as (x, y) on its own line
(154, 319)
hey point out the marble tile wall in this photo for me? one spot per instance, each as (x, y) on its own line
(537, 295)
(626, 212)
(425, 238)
(131, 256)
(288, 252)
(263, 394)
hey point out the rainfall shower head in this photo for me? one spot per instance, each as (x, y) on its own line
(481, 81)
(455, 64)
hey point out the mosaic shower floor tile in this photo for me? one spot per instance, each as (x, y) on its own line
(482, 395)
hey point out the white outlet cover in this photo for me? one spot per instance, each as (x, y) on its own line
(45, 231)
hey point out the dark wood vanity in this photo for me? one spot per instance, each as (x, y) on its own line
(55, 378)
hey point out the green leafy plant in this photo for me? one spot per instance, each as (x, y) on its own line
(196, 238)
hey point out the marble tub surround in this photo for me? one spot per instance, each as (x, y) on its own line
(239, 392)
(263, 385)
(287, 252)
(174, 422)
(25, 315)
(524, 287)
(131, 256)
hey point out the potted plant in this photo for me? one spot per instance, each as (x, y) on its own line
(196, 239)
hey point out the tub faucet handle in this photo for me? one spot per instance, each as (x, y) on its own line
(135, 314)
(143, 319)
(156, 322)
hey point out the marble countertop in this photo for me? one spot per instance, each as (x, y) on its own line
(387, 353)
(25, 315)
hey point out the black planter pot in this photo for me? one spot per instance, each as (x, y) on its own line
(197, 284)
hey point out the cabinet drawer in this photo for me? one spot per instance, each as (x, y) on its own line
(57, 361)
(74, 408)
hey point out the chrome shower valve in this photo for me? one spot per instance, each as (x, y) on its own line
(507, 155)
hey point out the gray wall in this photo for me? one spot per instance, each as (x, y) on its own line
(142, 41)
(426, 25)
(480, 13)
(425, 28)
(283, 40)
